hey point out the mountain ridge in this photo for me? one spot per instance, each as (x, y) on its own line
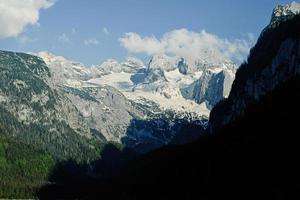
(278, 64)
(49, 105)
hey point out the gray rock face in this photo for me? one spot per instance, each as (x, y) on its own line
(183, 67)
(36, 113)
(157, 67)
(285, 65)
(103, 108)
(211, 88)
(213, 85)
(156, 74)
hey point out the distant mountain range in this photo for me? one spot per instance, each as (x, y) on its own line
(138, 106)
(167, 81)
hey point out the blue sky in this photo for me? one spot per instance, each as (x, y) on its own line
(89, 31)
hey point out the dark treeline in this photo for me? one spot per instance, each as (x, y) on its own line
(23, 169)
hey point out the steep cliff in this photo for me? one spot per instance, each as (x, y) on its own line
(272, 61)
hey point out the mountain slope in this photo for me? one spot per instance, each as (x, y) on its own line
(253, 146)
(252, 155)
(50, 105)
(255, 156)
(167, 80)
(147, 96)
(31, 110)
(23, 168)
(272, 61)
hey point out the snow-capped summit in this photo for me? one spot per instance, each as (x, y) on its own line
(284, 12)
(163, 62)
(114, 93)
(172, 82)
(130, 65)
(157, 66)
(63, 70)
(49, 57)
(108, 66)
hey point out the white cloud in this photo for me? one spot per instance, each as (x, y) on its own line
(15, 15)
(188, 44)
(64, 38)
(73, 30)
(91, 41)
(105, 31)
(134, 43)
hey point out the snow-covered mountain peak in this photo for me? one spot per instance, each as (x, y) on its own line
(131, 61)
(109, 65)
(295, 7)
(281, 10)
(163, 62)
(130, 65)
(165, 80)
(49, 57)
(284, 12)
(64, 71)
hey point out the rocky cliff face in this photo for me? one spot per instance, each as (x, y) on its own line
(212, 86)
(36, 113)
(274, 60)
(200, 81)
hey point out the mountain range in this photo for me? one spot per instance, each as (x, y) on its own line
(178, 120)
(140, 107)
(250, 148)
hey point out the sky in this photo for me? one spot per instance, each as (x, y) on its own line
(91, 31)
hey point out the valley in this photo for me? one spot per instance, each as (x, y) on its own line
(149, 128)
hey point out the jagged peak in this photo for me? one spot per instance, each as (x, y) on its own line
(106, 65)
(163, 62)
(284, 12)
(110, 60)
(130, 65)
(133, 60)
(49, 57)
(294, 8)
